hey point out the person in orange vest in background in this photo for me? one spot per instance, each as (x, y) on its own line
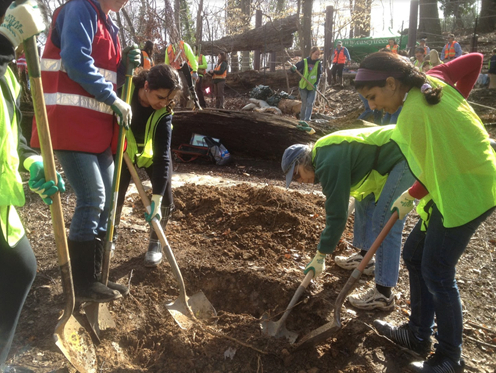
(219, 74)
(423, 45)
(392, 46)
(181, 57)
(451, 50)
(202, 68)
(146, 55)
(341, 57)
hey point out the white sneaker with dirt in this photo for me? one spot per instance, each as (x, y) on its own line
(371, 299)
(351, 262)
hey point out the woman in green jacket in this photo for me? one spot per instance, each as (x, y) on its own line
(148, 145)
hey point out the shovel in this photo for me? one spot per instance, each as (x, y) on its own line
(185, 310)
(70, 337)
(97, 314)
(325, 331)
(278, 328)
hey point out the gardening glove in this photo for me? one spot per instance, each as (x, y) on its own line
(317, 265)
(154, 208)
(315, 86)
(21, 22)
(37, 181)
(403, 204)
(132, 56)
(293, 68)
(194, 76)
(123, 111)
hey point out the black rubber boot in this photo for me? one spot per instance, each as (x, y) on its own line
(99, 249)
(86, 286)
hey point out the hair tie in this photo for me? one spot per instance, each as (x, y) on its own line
(425, 87)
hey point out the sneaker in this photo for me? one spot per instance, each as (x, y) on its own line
(371, 300)
(438, 363)
(153, 256)
(403, 336)
(352, 262)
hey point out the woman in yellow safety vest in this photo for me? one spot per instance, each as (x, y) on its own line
(311, 69)
(17, 260)
(449, 152)
(148, 145)
(219, 79)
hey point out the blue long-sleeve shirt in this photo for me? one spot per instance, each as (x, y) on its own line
(75, 29)
(458, 51)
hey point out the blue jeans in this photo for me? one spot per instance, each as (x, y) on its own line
(307, 100)
(368, 111)
(431, 258)
(370, 218)
(90, 175)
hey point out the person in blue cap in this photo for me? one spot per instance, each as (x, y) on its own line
(364, 164)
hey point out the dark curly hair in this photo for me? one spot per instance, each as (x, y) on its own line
(409, 75)
(158, 77)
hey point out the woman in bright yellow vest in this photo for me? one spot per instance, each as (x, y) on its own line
(148, 145)
(448, 151)
(364, 164)
(311, 69)
(17, 260)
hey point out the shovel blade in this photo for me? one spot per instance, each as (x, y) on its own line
(76, 345)
(320, 334)
(277, 329)
(99, 318)
(196, 307)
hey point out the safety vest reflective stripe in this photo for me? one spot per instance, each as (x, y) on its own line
(449, 51)
(54, 65)
(69, 99)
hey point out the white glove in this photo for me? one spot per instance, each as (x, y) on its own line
(403, 204)
(317, 265)
(21, 22)
(123, 110)
(155, 206)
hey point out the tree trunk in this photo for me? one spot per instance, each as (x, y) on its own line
(306, 37)
(247, 80)
(199, 27)
(487, 17)
(132, 31)
(429, 19)
(177, 17)
(273, 36)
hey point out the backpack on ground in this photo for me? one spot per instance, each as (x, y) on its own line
(218, 151)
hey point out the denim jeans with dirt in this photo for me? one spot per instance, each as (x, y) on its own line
(307, 100)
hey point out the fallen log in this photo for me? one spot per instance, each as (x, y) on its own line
(272, 37)
(247, 80)
(249, 134)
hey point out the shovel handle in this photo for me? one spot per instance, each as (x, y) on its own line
(32, 60)
(158, 229)
(296, 296)
(306, 80)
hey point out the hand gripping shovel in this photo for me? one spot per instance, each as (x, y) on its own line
(70, 337)
(185, 310)
(97, 314)
(278, 328)
(325, 331)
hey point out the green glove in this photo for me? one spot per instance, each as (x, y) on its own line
(317, 265)
(403, 204)
(315, 86)
(293, 68)
(37, 182)
(132, 56)
(123, 111)
(155, 206)
(21, 22)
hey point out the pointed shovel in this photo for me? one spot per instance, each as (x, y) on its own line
(185, 310)
(98, 314)
(327, 330)
(70, 337)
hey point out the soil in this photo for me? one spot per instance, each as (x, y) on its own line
(242, 239)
